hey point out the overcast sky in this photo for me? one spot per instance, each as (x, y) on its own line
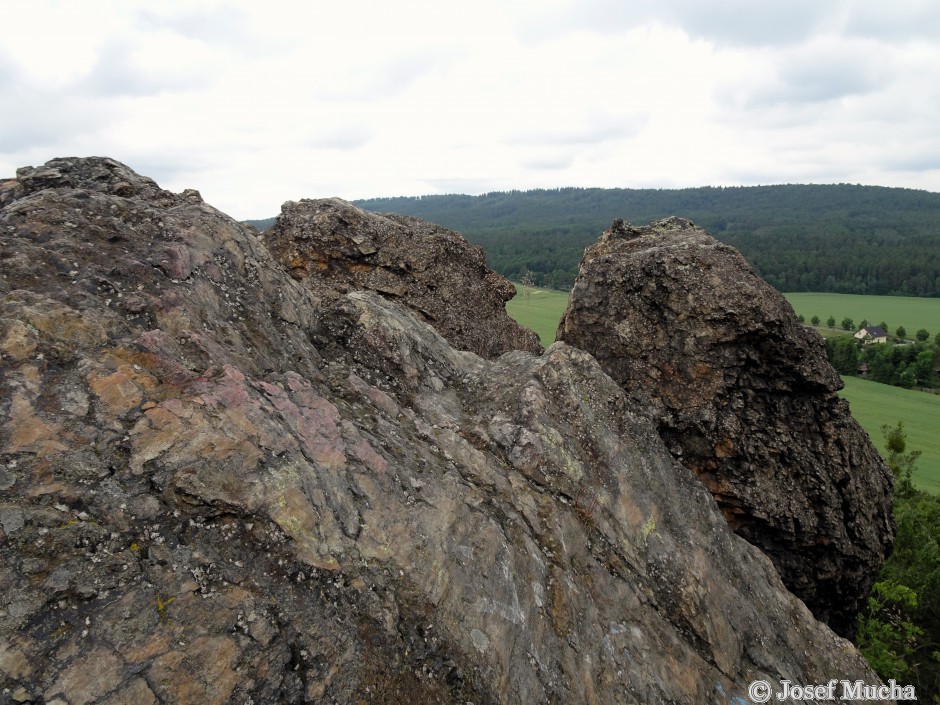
(258, 102)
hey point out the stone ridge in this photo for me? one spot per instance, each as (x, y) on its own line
(744, 396)
(333, 244)
(218, 486)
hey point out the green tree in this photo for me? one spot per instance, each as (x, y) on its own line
(881, 367)
(907, 377)
(901, 332)
(848, 323)
(886, 635)
(801, 318)
(831, 321)
(815, 321)
(922, 335)
(843, 354)
(923, 367)
(863, 324)
(900, 463)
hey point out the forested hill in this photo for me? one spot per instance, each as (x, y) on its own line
(839, 238)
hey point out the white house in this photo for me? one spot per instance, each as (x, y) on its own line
(872, 334)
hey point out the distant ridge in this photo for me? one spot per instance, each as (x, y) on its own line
(262, 224)
(840, 238)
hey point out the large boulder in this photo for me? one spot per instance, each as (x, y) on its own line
(742, 395)
(217, 487)
(432, 270)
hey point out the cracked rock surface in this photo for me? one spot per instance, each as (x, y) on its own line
(219, 484)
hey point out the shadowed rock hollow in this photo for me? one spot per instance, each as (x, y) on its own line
(221, 485)
(743, 395)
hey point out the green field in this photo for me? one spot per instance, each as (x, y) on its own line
(912, 313)
(873, 405)
(540, 311)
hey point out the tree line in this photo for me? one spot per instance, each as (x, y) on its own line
(838, 238)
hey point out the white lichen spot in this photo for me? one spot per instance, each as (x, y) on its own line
(480, 640)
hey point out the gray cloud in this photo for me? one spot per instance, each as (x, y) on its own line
(117, 73)
(817, 77)
(36, 117)
(900, 20)
(735, 22)
(794, 83)
(515, 96)
(225, 24)
(746, 23)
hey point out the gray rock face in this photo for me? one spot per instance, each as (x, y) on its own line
(221, 488)
(743, 396)
(434, 271)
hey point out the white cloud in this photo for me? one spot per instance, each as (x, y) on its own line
(257, 103)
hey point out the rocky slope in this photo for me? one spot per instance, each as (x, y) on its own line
(221, 485)
(744, 396)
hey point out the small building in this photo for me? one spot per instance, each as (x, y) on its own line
(872, 334)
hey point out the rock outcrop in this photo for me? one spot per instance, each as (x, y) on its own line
(331, 244)
(742, 395)
(218, 487)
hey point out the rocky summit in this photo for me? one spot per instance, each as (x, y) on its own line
(332, 245)
(742, 395)
(222, 482)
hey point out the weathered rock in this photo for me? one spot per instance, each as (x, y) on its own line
(231, 490)
(434, 271)
(743, 395)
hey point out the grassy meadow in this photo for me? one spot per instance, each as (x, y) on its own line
(912, 313)
(873, 405)
(540, 311)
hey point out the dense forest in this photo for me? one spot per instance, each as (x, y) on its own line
(836, 238)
